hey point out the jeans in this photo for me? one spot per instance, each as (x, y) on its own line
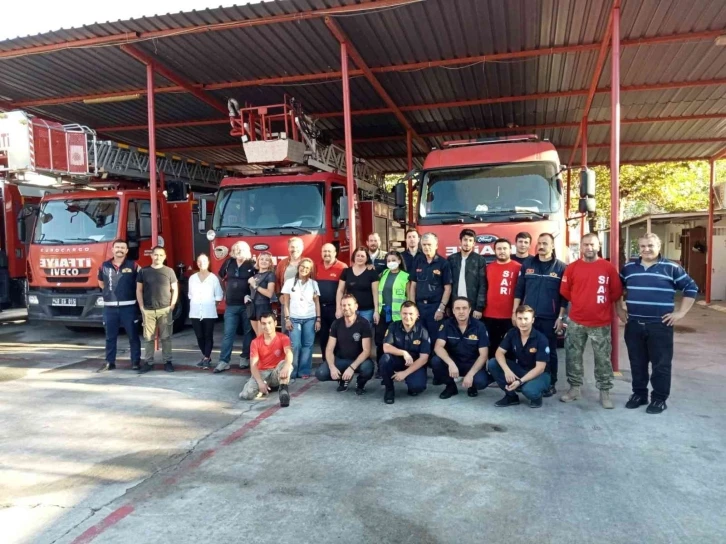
(204, 331)
(388, 364)
(327, 316)
(115, 317)
(496, 328)
(441, 373)
(270, 376)
(365, 370)
(367, 314)
(233, 316)
(601, 342)
(161, 321)
(650, 343)
(533, 389)
(547, 327)
(302, 338)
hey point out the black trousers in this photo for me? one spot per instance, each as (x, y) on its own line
(379, 332)
(547, 327)
(204, 331)
(327, 316)
(496, 328)
(650, 343)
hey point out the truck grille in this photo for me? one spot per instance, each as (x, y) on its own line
(66, 312)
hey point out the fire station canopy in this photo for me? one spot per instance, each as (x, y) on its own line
(442, 69)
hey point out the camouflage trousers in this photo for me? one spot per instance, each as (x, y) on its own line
(575, 341)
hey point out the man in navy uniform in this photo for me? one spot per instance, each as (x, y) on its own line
(117, 280)
(521, 361)
(406, 350)
(461, 349)
(430, 282)
(413, 249)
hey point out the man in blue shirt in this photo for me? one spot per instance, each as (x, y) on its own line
(538, 286)
(430, 282)
(461, 349)
(413, 249)
(521, 361)
(650, 284)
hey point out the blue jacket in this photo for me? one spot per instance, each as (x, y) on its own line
(538, 286)
(119, 284)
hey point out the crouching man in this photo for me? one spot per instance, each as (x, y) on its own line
(461, 350)
(270, 363)
(406, 350)
(529, 352)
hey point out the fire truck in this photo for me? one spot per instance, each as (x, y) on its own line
(294, 184)
(496, 187)
(101, 194)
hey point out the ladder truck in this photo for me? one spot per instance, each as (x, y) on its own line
(99, 193)
(294, 184)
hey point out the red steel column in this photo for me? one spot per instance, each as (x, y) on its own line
(709, 231)
(584, 142)
(350, 182)
(152, 155)
(409, 162)
(567, 210)
(615, 170)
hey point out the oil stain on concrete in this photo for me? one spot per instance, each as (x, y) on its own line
(435, 426)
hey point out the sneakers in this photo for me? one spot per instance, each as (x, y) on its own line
(605, 400)
(550, 391)
(635, 401)
(507, 401)
(284, 396)
(146, 367)
(204, 363)
(449, 391)
(571, 395)
(389, 397)
(472, 391)
(343, 385)
(413, 393)
(221, 367)
(535, 403)
(106, 367)
(244, 362)
(168, 367)
(656, 407)
(136, 365)
(360, 390)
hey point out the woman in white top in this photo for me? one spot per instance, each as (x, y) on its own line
(301, 304)
(205, 292)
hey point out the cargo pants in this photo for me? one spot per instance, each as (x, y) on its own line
(601, 342)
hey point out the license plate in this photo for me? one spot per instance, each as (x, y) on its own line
(63, 302)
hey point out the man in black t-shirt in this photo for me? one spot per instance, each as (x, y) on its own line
(157, 292)
(348, 350)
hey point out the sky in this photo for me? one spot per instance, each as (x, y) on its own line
(25, 18)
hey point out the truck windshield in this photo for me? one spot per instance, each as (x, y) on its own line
(72, 221)
(489, 193)
(261, 207)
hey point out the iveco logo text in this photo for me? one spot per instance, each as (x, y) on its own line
(63, 249)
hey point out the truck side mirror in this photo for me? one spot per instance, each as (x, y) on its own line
(400, 195)
(22, 231)
(586, 205)
(22, 221)
(587, 183)
(558, 182)
(399, 214)
(343, 208)
(202, 226)
(133, 247)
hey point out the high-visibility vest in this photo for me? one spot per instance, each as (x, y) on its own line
(399, 292)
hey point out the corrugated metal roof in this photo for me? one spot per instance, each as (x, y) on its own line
(422, 32)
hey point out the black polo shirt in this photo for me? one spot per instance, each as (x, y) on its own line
(415, 342)
(430, 278)
(237, 279)
(536, 349)
(463, 347)
(408, 259)
(119, 284)
(349, 340)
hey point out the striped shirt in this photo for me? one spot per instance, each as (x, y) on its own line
(650, 292)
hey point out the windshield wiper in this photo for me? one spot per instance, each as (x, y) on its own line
(237, 227)
(459, 214)
(81, 240)
(281, 227)
(49, 241)
(526, 212)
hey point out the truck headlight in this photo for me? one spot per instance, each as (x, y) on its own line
(32, 299)
(99, 301)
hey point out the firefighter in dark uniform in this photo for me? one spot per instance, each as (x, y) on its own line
(430, 281)
(117, 280)
(461, 349)
(406, 350)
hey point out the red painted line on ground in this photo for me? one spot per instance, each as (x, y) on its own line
(117, 515)
(112, 519)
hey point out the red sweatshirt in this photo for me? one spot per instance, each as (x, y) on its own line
(591, 289)
(501, 281)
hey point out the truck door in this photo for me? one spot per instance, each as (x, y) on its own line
(15, 211)
(138, 231)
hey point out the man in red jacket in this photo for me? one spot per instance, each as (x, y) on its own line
(593, 286)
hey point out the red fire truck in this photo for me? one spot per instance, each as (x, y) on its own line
(294, 185)
(100, 196)
(497, 187)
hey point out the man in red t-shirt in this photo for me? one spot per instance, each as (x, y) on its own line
(502, 277)
(270, 363)
(593, 286)
(327, 274)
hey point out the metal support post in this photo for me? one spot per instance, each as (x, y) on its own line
(567, 209)
(350, 183)
(584, 142)
(615, 169)
(409, 163)
(152, 155)
(709, 231)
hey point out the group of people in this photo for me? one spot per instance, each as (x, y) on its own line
(467, 320)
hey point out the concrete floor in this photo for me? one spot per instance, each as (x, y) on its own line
(118, 458)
